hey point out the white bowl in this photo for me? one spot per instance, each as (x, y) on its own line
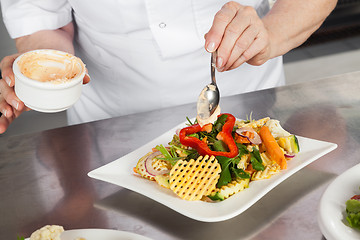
(49, 96)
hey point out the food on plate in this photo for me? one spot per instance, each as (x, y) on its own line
(48, 232)
(214, 161)
(353, 212)
(191, 180)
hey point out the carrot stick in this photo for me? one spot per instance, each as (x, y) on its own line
(272, 147)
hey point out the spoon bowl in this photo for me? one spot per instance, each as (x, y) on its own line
(209, 97)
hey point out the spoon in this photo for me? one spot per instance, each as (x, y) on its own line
(209, 97)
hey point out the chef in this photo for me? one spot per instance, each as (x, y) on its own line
(144, 55)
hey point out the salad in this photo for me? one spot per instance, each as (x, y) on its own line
(214, 161)
(353, 212)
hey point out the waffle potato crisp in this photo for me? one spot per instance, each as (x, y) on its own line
(191, 180)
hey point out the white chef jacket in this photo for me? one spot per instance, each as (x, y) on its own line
(141, 54)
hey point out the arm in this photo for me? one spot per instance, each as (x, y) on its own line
(241, 36)
(291, 23)
(59, 39)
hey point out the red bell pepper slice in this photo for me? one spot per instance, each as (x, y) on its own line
(356, 197)
(202, 148)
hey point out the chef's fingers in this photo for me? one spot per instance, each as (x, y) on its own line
(245, 18)
(4, 124)
(5, 108)
(221, 20)
(5, 121)
(259, 58)
(240, 46)
(257, 54)
(86, 79)
(10, 97)
(7, 114)
(6, 69)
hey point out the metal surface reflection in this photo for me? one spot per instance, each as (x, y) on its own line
(69, 161)
(44, 175)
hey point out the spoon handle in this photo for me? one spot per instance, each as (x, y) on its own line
(213, 66)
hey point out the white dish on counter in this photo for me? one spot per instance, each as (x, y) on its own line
(99, 234)
(120, 172)
(332, 209)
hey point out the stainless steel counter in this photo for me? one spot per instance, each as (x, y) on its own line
(44, 178)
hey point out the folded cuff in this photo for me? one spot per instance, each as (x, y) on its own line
(28, 25)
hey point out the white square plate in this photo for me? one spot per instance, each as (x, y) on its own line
(120, 172)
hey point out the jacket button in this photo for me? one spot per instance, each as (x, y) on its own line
(162, 25)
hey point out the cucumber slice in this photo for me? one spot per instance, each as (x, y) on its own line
(290, 144)
(294, 144)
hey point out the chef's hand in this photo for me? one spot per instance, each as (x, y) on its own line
(239, 35)
(10, 105)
